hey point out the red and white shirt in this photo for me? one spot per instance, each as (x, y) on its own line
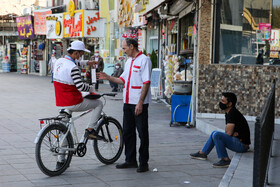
(137, 72)
(67, 83)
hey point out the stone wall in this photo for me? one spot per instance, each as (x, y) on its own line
(251, 84)
(204, 32)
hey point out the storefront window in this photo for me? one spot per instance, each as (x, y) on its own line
(172, 35)
(242, 34)
(186, 34)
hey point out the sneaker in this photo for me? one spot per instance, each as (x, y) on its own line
(92, 135)
(59, 165)
(198, 156)
(222, 164)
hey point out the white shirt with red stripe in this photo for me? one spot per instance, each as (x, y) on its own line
(137, 72)
(66, 92)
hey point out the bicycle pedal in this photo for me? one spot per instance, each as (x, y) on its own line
(96, 137)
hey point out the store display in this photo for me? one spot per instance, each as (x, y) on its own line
(23, 61)
(171, 65)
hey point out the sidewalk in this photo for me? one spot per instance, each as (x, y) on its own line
(26, 98)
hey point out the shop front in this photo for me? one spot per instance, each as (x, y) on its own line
(228, 53)
(176, 45)
(25, 34)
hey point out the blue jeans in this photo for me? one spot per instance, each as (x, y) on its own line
(222, 141)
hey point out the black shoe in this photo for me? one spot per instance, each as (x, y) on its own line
(222, 164)
(115, 90)
(143, 168)
(92, 135)
(127, 165)
(198, 156)
(59, 165)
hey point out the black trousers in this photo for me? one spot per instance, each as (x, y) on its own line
(131, 122)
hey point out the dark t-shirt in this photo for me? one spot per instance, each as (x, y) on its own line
(241, 125)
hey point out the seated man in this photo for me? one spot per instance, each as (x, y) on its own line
(235, 138)
(117, 72)
(68, 86)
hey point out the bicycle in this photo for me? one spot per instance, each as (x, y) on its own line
(58, 139)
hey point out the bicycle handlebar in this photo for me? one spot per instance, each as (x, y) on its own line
(109, 94)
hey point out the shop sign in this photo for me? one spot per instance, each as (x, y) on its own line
(190, 30)
(125, 13)
(259, 36)
(94, 25)
(25, 28)
(274, 37)
(265, 28)
(274, 54)
(40, 22)
(141, 5)
(139, 20)
(54, 26)
(73, 26)
(134, 33)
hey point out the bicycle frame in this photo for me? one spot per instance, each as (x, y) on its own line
(71, 128)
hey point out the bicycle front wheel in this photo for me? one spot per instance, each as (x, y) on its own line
(51, 158)
(109, 150)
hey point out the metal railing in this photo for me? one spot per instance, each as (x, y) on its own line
(264, 131)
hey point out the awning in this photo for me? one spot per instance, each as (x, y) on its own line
(8, 33)
(155, 6)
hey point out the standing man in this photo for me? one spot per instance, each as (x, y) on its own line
(236, 136)
(100, 66)
(51, 65)
(136, 97)
(117, 72)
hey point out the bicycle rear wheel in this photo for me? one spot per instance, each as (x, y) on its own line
(110, 150)
(51, 160)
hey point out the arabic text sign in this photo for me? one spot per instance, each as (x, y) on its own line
(40, 22)
(25, 28)
(54, 26)
(73, 26)
(93, 24)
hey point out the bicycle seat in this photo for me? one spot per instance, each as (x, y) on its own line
(93, 95)
(65, 113)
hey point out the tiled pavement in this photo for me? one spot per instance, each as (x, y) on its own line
(25, 98)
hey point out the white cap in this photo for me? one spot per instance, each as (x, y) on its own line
(78, 45)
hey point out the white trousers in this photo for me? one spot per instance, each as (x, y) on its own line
(88, 104)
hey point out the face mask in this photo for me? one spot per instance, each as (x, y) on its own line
(117, 67)
(222, 106)
(78, 60)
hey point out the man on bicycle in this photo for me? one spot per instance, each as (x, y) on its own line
(136, 96)
(68, 86)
